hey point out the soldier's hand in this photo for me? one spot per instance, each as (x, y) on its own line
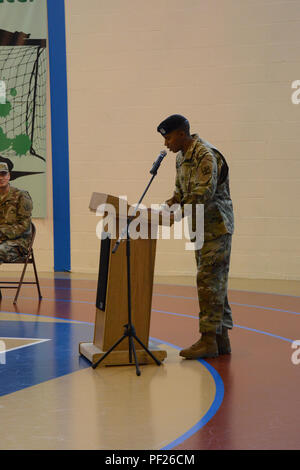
(172, 219)
(166, 218)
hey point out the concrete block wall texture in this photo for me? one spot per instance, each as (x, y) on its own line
(225, 64)
(43, 245)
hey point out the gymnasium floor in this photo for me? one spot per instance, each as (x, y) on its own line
(51, 398)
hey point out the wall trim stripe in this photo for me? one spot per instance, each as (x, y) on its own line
(59, 135)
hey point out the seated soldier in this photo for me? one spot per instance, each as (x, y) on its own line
(15, 219)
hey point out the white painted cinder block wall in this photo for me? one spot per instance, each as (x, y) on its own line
(227, 65)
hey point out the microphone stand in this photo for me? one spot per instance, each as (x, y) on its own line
(129, 329)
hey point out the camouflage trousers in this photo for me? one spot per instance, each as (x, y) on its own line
(10, 252)
(212, 279)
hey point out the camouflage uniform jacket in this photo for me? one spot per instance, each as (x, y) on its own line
(201, 179)
(15, 218)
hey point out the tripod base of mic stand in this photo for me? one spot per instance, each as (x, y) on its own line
(129, 332)
(119, 357)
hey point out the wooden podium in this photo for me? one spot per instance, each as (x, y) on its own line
(112, 295)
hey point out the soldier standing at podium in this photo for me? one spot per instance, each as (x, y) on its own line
(202, 178)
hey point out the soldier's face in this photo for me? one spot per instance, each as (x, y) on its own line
(174, 140)
(4, 179)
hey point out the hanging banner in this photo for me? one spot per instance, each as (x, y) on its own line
(23, 80)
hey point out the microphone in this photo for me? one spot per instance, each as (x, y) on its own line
(153, 172)
(156, 164)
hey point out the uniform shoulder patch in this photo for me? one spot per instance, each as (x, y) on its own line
(206, 169)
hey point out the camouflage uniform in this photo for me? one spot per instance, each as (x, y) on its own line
(202, 177)
(15, 224)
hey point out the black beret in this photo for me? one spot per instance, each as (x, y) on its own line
(171, 124)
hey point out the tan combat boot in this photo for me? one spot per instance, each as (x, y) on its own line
(223, 342)
(205, 347)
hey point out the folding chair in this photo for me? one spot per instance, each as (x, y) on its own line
(28, 259)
